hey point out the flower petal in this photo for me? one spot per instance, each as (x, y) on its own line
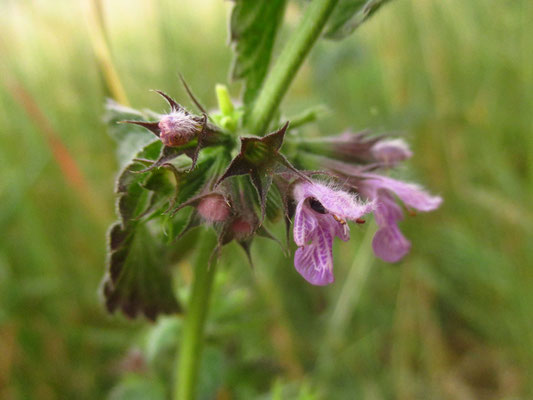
(338, 202)
(336, 228)
(387, 212)
(389, 244)
(315, 261)
(344, 205)
(411, 194)
(391, 151)
(304, 224)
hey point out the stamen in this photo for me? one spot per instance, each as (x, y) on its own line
(339, 220)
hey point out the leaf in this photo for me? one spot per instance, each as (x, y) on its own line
(133, 198)
(130, 138)
(253, 28)
(138, 279)
(274, 204)
(349, 15)
(161, 191)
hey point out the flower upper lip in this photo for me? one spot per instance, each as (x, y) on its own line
(319, 208)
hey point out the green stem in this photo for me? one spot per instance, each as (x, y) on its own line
(188, 361)
(288, 63)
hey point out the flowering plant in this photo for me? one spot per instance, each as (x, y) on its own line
(239, 168)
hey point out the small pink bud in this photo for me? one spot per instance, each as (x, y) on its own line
(177, 128)
(241, 228)
(391, 151)
(214, 208)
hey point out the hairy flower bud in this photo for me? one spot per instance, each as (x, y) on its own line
(348, 146)
(391, 151)
(178, 128)
(241, 228)
(214, 208)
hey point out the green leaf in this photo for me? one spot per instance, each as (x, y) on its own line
(308, 116)
(274, 204)
(138, 279)
(349, 15)
(253, 28)
(133, 196)
(130, 138)
(160, 192)
(174, 226)
(192, 182)
(201, 179)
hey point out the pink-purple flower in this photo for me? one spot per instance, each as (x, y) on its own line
(389, 244)
(178, 128)
(390, 152)
(321, 214)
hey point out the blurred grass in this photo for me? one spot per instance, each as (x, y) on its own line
(453, 321)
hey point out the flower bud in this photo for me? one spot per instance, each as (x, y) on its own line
(391, 151)
(348, 146)
(241, 228)
(214, 208)
(178, 128)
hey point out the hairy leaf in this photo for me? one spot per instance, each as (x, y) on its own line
(349, 15)
(138, 280)
(161, 191)
(253, 28)
(133, 197)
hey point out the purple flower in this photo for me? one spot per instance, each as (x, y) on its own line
(321, 214)
(391, 151)
(389, 244)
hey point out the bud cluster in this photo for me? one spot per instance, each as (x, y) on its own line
(326, 183)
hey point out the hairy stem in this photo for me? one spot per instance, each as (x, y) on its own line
(288, 63)
(188, 361)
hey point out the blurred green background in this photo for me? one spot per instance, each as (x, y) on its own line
(453, 321)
